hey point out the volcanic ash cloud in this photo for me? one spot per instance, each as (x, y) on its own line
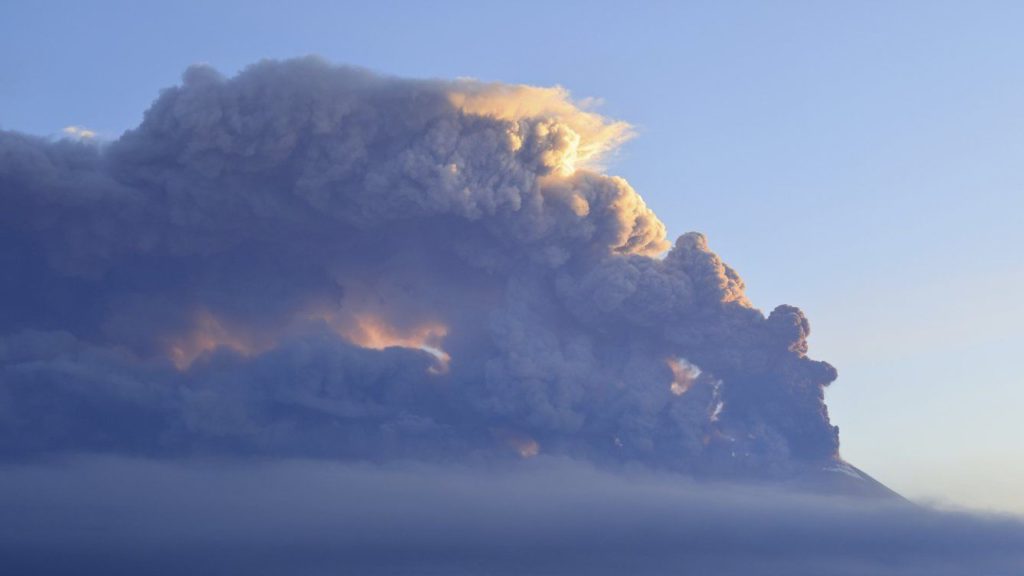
(308, 260)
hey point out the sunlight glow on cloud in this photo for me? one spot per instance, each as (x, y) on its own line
(207, 335)
(580, 138)
(523, 445)
(683, 375)
(368, 331)
(78, 132)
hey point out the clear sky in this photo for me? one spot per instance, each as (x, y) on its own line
(861, 161)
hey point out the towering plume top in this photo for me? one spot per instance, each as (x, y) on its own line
(313, 260)
(586, 136)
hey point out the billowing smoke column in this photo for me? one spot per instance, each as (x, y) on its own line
(316, 261)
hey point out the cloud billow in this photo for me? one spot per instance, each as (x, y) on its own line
(319, 261)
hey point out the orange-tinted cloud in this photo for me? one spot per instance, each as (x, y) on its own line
(683, 375)
(209, 333)
(369, 331)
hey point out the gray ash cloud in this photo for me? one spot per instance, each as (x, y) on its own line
(317, 261)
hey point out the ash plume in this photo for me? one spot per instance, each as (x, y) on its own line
(316, 261)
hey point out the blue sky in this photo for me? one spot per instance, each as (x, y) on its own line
(860, 161)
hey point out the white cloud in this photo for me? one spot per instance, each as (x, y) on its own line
(78, 132)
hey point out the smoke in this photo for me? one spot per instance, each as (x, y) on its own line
(313, 261)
